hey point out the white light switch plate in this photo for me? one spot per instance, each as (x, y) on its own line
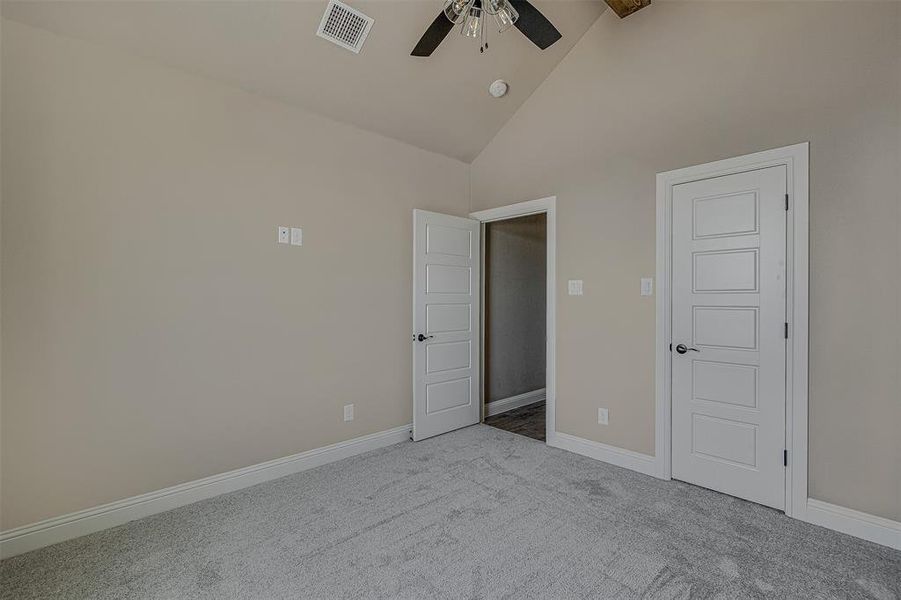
(284, 235)
(296, 236)
(647, 286)
(575, 287)
(348, 412)
(603, 417)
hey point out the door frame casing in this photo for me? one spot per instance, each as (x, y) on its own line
(795, 158)
(548, 206)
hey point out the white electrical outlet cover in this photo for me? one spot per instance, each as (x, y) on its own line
(296, 236)
(348, 412)
(284, 235)
(575, 287)
(603, 416)
(647, 286)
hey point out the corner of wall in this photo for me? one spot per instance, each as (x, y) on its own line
(534, 91)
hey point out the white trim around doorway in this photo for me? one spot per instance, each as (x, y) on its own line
(796, 159)
(548, 206)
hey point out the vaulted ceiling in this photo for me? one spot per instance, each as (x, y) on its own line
(440, 103)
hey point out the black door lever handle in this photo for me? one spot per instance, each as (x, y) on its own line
(422, 338)
(682, 349)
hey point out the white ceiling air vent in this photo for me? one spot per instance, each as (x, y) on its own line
(344, 26)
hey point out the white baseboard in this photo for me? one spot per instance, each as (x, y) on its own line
(620, 457)
(58, 529)
(501, 406)
(853, 522)
(838, 518)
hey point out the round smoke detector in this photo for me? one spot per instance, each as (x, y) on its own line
(498, 88)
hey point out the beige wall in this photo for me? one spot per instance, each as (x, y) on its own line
(154, 332)
(686, 83)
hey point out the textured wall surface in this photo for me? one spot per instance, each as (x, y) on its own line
(154, 331)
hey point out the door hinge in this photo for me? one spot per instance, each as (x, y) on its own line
(786, 331)
(786, 201)
(785, 458)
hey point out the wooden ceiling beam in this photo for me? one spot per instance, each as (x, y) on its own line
(624, 8)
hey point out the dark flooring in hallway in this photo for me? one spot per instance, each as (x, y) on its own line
(528, 421)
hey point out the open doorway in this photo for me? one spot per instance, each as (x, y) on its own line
(515, 308)
(518, 324)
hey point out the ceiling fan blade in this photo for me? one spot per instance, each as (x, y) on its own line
(624, 8)
(535, 25)
(433, 36)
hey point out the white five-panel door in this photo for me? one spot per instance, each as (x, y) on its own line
(728, 334)
(446, 261)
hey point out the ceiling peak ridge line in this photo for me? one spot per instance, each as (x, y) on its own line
(540, 85)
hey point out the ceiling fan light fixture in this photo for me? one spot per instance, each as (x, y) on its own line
(504, 14)
(472, 26)
(456, 10)
(521, 13)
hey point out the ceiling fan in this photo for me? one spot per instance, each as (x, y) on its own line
(506, 13)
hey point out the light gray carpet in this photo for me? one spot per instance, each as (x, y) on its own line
(478, 513)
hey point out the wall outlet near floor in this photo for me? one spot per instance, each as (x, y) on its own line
(603, 417)
(348, 412)
(284, 235)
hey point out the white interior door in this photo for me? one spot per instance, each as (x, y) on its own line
(728, 320)
(446, 261)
